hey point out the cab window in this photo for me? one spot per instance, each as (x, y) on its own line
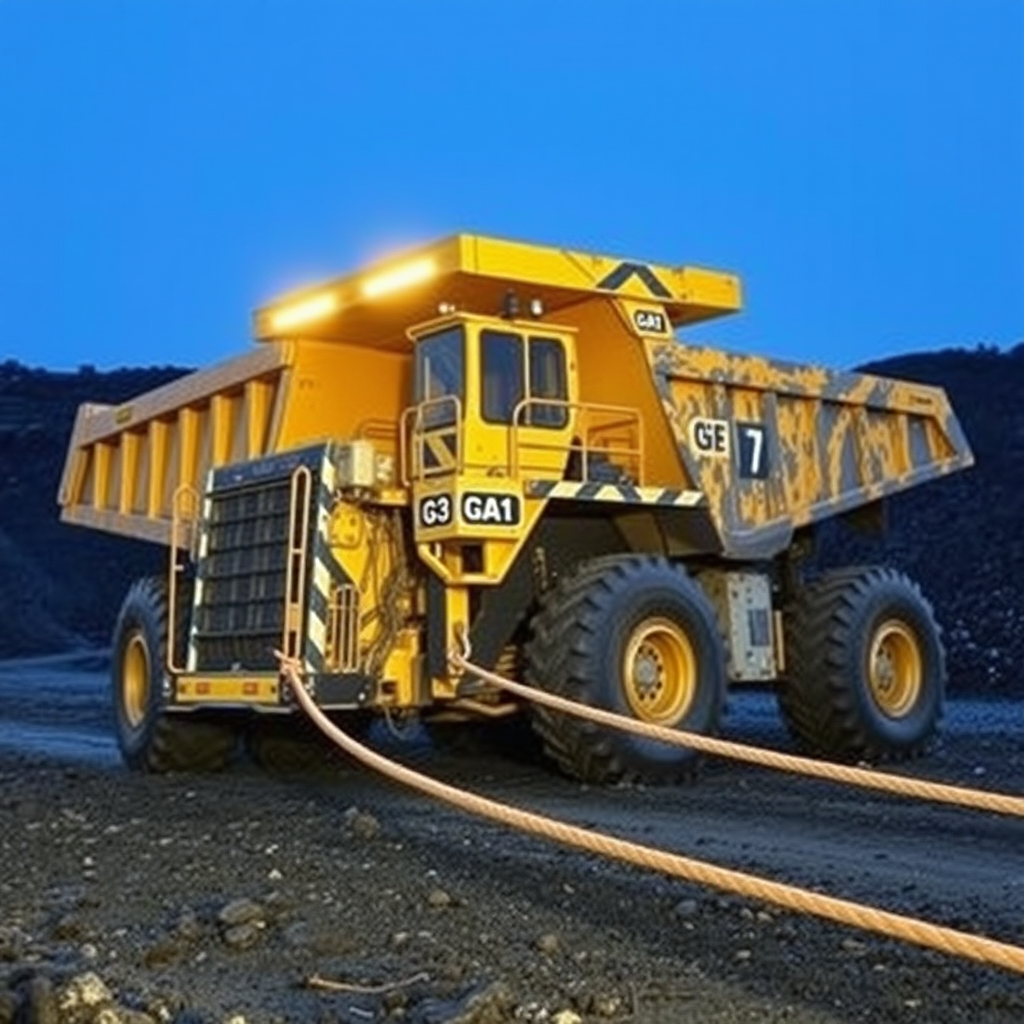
(501, 362)
(440, 373)
(547, 383)
(511, 371)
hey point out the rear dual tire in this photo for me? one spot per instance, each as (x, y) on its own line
(867, 674)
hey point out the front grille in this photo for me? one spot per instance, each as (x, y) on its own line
(239, 620)
(342, 654)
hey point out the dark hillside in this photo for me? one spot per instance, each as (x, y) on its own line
(962, 538)
(59, 585)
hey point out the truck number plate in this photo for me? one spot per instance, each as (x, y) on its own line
(435, 510)
(490, 509)
(713, 439)
(475, 508)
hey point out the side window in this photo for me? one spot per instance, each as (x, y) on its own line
(547, 384)
(501, 355)
(440, 372)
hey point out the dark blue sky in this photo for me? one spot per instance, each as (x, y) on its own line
(167, 165)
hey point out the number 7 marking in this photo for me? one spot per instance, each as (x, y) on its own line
(756, 435)
(752, 451)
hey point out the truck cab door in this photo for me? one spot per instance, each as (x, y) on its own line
(526, 412)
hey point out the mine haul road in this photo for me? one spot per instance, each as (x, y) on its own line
(357, 881)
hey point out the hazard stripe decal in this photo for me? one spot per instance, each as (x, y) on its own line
(623, 494)
(321, 577)
(624, 271)
(192, 653)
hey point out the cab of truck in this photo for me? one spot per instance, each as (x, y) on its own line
(499, 397)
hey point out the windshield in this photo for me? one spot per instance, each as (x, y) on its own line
(440, 372)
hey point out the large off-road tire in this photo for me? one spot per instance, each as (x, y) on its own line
(151, 738)
(866, 670)
(634, 635)
(291, 745)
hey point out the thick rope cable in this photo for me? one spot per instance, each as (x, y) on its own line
(921, 789)
(908, 929)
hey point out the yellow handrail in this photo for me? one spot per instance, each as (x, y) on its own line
(299, 500)
(184, 517)
(579, 415)
(415, 435)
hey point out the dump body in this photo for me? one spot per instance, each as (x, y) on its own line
(126, 463)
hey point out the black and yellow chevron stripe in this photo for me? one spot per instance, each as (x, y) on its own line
(621, 493)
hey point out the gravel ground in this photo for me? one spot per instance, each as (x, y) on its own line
(188, 899)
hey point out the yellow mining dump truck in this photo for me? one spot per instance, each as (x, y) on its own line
(505, 444)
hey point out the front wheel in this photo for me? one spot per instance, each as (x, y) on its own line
(151, 738)
(867, 672)
(637, 636)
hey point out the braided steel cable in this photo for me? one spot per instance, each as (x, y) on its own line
(920, 789)
(908, 929)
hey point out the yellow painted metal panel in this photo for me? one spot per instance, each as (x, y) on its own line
(126, 461)
(141, 527)
(340, 391)
(101, 475)
(188, 443)
(474, 273)
(616, 371)
(158, 442)
(128, 451)
(101, 421)
(258, 396)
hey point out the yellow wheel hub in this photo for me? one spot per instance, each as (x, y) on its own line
(895, 668)
(659, 672)
(135, 685)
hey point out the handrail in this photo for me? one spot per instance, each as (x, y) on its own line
(612, 431)
(299, 500)
(629, 420)
(417, 435)
(184, 517)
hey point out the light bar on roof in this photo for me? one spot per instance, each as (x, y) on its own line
(402, 276)
(316, 307)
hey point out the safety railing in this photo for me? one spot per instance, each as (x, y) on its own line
(185, 513)
(297, 560)
(602, 435)
(431, 439)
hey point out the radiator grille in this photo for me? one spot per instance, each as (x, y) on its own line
(342, 653)
(240, 617)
